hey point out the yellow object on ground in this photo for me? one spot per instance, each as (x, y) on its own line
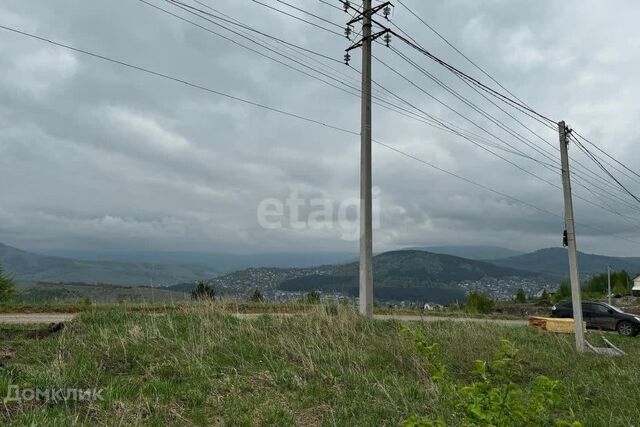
(552, 324)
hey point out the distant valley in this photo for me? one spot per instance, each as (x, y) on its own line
(414, 274)
(399, 275)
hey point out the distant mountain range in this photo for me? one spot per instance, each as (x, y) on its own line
(477, 252)
(214, 261)
(29, 267)
(400, 273)
(555, 262)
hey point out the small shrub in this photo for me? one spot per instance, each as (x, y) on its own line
(545, 299)
(331, 307)
(480, 303)
(521, 297)
(312, 297)
(7, 287)
(498, 396)
(427, 352)
(203, 291)
(564, 291)
(256, 296)
(620, 289)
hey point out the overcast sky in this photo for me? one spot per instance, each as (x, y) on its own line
(94, 156)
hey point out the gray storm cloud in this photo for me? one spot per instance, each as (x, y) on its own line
(96, 155)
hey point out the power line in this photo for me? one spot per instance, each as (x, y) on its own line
(467, 180)
(196, 12)
(486, 88)
(251, 49)
(473, 106)
(514, 103)
(272, 109)
(431, 120)
(466, 78)
(287, 44)
(298, 18)
(606, 193)
(585, 169)
(246, 27)
(469, 78)
(331, 5)
(492, 190)
(458, 51)
(309, 13)
(597, 162)
(609, 156)
(520, 105)
(550, 167)
(177, 80)
(519, 136)
(493, 119)
(546, 154)
(494, 80)
(472, 122)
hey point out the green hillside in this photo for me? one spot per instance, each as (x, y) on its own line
(29, 267)
(477, 252)
(554, 261)
(408, 274)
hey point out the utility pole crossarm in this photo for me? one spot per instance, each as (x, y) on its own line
(372, 37)
(372, 11)
(366, 17)
(570, 233)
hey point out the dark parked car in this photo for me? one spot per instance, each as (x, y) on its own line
(599, 315)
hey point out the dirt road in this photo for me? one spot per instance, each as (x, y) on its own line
(30, 318)
(36, 318)
(410, 317)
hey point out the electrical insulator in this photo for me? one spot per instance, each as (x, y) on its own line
(347, 58)
(346, 5)
(386, 12)
(347, 32)
(387, 39)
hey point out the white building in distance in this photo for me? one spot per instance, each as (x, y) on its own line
(636, 287)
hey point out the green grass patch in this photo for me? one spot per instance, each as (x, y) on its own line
(203, 366)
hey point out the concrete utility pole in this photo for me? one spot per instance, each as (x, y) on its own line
(366, 214)
(576, 297)
(609, 283)
(366, 202)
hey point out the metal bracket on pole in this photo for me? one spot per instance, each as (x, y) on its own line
(372, 37)
(360, 15)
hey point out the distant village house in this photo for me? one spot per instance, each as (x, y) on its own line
(636, 287)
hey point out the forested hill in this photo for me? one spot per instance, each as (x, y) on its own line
(407, 274)
(554, 261)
